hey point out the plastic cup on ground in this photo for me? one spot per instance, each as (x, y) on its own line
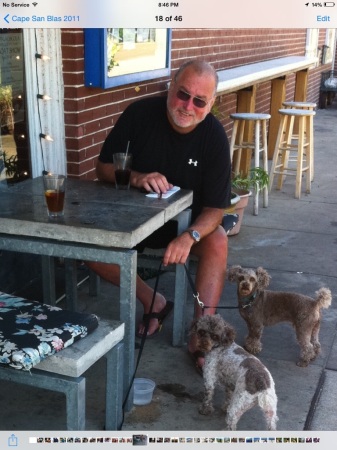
(143, 391)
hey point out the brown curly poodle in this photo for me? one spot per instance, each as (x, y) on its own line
(260, 308)
(246, 380)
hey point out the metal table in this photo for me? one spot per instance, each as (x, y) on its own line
(99, 224)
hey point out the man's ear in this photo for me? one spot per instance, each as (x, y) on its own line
(211, 103)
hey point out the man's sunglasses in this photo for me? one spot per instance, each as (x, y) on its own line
(185, 96)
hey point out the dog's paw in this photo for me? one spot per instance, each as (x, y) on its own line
(206, 410)
(302, 363)
(231, 426)
(253, 349)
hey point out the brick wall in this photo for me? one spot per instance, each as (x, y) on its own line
(90, 113)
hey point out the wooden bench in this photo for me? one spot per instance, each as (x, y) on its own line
(62, 372)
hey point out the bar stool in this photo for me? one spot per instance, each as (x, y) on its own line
(311, 107)
(280, 164)
(241, 120)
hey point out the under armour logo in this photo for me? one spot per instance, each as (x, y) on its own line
(193, 162)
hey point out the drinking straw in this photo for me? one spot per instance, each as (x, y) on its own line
(126, 154)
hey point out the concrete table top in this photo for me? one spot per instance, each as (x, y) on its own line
(95, 213)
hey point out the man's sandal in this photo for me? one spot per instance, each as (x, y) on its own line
(160, 316)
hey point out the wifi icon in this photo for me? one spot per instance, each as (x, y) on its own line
(34, 4)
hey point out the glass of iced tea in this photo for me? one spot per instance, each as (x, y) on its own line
(122, 166)
(54, 190)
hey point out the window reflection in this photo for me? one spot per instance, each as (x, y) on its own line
(132, 50)
(14, 151)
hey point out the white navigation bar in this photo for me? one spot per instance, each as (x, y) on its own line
(167, 14)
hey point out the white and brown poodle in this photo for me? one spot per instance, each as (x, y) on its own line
(260, 308)
(246, 380)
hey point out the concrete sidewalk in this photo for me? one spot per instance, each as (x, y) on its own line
(295, 240)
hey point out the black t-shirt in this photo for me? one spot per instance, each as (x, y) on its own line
(199, 160)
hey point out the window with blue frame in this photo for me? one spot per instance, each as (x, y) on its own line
(119, 56)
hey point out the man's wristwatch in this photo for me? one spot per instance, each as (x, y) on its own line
(194, 235)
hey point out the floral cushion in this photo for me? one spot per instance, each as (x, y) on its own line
(30, 331)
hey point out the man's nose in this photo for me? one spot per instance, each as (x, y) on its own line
(188, 104)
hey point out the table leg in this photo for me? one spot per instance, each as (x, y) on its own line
(179, 312)
(128, 273)
(48, 279)
(70, 266)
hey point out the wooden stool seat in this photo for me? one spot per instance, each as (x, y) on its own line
(239, 143)
(303, 147)
(304, 105)
(250, 116)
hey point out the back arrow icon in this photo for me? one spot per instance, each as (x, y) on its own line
(6, 17)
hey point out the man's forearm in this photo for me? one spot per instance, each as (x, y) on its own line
(105, 172)
(207, 221)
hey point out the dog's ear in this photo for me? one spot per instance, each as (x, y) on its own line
(193, 327)
(233, 273)
(228, 335)
(263, 277)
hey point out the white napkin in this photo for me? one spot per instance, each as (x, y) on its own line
(167, 195)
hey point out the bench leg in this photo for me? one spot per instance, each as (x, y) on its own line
(114, 388)
(73, 388)
(75, 395)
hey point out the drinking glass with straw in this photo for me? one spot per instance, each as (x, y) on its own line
(122, 165)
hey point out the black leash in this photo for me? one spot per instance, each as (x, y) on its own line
(142, 343)
(144, 335)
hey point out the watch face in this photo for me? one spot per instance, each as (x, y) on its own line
(195, 235)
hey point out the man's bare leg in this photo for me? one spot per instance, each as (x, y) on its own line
(144, 293)
(210, 277)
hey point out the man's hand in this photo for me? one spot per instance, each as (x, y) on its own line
(178, 250)
(153, 181)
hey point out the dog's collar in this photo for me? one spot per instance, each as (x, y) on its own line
(245, 302)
